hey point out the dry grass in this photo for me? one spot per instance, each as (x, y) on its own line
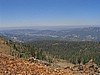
(4, 48)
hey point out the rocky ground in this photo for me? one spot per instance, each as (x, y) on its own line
(10, 65)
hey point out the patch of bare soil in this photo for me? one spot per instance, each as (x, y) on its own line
(10, 65)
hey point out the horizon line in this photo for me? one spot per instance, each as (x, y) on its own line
(52, 26)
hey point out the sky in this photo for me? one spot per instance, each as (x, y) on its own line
(16, 13)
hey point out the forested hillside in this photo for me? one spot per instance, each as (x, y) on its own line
(75, 52)
(22, 50)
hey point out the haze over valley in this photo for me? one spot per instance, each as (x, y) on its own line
(65, 33)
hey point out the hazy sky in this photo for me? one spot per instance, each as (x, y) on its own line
(49, 12)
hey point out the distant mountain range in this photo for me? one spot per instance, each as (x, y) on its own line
(67, 34)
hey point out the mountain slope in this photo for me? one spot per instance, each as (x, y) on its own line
(10, 66)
